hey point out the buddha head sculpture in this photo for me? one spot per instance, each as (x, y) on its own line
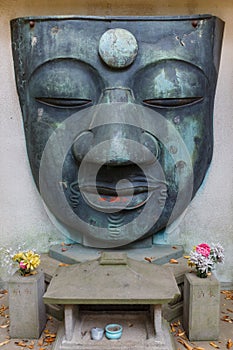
(118, 115)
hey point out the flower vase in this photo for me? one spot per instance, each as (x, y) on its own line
(201, 307)
(26, 306)
(201, 274)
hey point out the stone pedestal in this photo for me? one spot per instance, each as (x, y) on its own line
(201, 307)
(26, 306)
(113, 280)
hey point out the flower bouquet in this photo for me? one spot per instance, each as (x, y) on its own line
(205, 257)
(27, 262)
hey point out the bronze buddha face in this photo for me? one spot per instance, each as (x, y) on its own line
(118, 118)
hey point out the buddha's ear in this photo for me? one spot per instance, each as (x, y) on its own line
(18, 48)
(218, 35)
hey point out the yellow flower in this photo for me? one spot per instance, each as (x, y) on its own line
(19, 257)
(191, 264)
(30, 259)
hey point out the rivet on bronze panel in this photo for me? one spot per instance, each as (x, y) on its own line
(194, 24)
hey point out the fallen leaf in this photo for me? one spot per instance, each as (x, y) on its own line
(52, 335)
(198, 348)
(175, 324)
(174, 247)
(33, 272)
(3, 308)
(21, 343)
(173, 329)
(180, 333)
(226, 319)
(148, 259)
(130, 325)
(5, 342)
(4, 326)
(3, 291)
(228, 294)
(214, 345)
(40, 342)
(229, 310)
(63, 264)
(63, 249)
(173, 261)
(186, 345)
(229, 343)
(46, 331)
(49, 340)
(186, 256)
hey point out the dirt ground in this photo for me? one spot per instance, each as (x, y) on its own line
(44, 343)
(49, 334)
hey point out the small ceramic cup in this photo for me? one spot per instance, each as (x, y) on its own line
(113, 331)
(97, 333)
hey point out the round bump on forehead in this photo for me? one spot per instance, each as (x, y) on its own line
(118, 48)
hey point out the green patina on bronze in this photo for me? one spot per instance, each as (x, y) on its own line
(169, 65)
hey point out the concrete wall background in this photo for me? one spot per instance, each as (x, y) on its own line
(209, 217)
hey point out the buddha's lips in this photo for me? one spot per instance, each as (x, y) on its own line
(113, 199)
(105, 198)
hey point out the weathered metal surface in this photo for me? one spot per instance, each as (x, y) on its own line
(117, 151)
(118, 48)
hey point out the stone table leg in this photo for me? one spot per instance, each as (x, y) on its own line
(69, 320)
(158, 322)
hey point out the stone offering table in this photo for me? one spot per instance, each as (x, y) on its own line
(113, 279)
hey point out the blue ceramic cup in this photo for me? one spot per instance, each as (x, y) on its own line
(113, 331)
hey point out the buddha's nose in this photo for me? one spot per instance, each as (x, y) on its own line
(120, 134)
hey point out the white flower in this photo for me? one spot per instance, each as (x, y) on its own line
(202, 263)
(217, 253)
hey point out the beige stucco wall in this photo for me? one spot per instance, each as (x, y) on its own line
(22, 216)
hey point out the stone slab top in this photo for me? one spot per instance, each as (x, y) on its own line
(197, 281)
(76, 253)
(112, 279)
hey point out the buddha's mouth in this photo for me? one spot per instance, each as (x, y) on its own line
(119, 188)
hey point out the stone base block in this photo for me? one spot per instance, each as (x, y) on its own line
(26, 306)
(75, 253)
(201, 309)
